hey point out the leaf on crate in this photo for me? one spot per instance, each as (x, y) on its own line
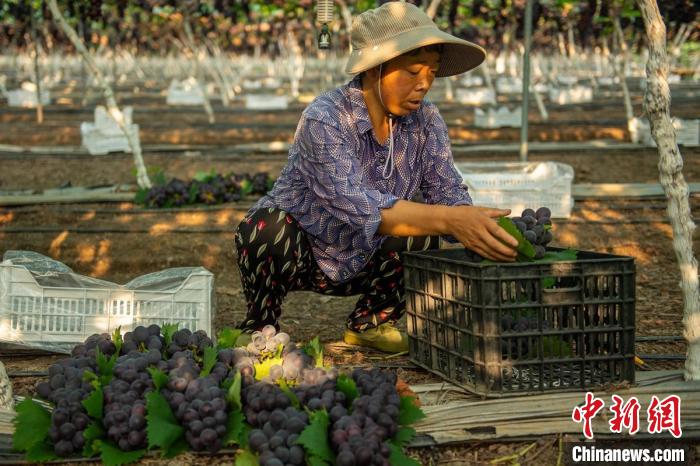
(262, 369)
(117, 339)
(32, 424)
(525, 248)
(94, 404)
(104, 366)
(162, 428)
(314, 438)
(111, 455)
(560, 256)
(227, 337)
(41, 452)
(409, 412)
(92, 434)
(403, 436)
(180, 446)
(347, 386)
(208, 360)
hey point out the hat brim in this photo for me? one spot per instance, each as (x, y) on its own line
(458, 55)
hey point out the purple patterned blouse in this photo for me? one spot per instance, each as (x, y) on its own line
(333, 183)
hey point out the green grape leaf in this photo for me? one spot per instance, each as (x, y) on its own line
(409, 412)
(399, 458)
(160, 378)
(168, 330)
(262, 369)
(314, 438)
(548, 282)
(41, 452)
(227, 337)
(202, 176)
(233, 395)
(32, 424)
(117, 339)
(314, 349)
(163, 429)
(209, 360)
(104, 366)
(94, 403)
(111, 455)
(246, 187)
(316, 461)
(246, 458)
(347, 385)
(235, 428)
(554, 347)
(92, 434)
(140, 196)
(403, 436)
(290, 394)
(180, 446)
(525, 248)
(560, 256)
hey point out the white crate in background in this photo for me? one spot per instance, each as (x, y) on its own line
(687, 132)
(471, 80)
(519, 185)
(252, 84)
(104, 134)
(498, 118)
(608, 80)
(509, 85)
(476, 96)
(567, 80)
(266, 102)
(25, 96)
(55, 317)
(571, 95)
(185, 92)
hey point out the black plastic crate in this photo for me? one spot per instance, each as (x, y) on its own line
(517, 328)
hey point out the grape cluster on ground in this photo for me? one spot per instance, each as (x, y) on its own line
(281, 386)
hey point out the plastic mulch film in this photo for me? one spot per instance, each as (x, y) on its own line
(45, 305)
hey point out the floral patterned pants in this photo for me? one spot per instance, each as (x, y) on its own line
(274, 258)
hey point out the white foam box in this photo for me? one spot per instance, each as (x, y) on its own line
(687, 132)
(571, 95)
(266, 102)
(519, 185)
(252, 84)
(509, 85)
(476, 96)
(25, 96)
(104, 134)
(472, 81)
(185, 92)
(498, 118)
(567, 80)
(36, 315)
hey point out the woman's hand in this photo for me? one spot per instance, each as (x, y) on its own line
(477, 230)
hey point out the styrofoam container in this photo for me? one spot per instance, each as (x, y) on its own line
(470, 80)
(43, 316)
(104, 134)
(25, 96)
(498, 118)
(185, 92)
(476, 96)
(509, 85)
(519, 185)
(266, 102)
(571, 95)
(687, 132)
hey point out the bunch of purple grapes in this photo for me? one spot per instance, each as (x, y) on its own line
(535, 227)
(125, 398)
(361, 437)
(276, 425)
(67, 388)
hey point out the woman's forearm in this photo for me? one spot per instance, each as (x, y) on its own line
(406, 218)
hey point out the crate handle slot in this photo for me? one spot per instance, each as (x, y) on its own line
(560, 295)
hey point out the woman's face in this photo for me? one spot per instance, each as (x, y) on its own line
(406, 79)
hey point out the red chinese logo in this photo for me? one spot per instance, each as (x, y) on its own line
(665, 415)
(624, 415)
(587, 412)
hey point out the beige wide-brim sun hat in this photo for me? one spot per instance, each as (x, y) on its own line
(395, 28)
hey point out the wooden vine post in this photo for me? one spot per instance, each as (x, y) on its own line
(141, 174)
(657, 99)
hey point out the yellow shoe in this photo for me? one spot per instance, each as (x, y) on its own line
(385, 338)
